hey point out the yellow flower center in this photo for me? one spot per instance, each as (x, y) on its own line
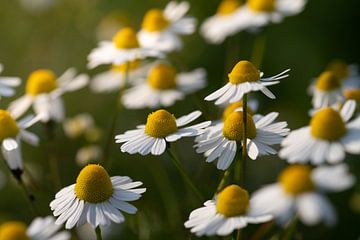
(13, 231)
(93, 184)
(353, 94)
(339, 68)
(232, 201)
(327, 124)
(227, 7)
(126, 38)
(262, 5)
(160, 124)
(8, 126)
(155, 21)
(327, 81)
(162, 76)
(132, 65)
(244, 71)
(296, 179)
(232, 107)
(41, 81)
(234, 127)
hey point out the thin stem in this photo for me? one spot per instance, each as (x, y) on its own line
(238, 235)
(262, 231)
(98, 233)
(290, 229)
(223, 181)
(184, 174)
(110, 139)
(29, 196)
(51, 153)
(244, 141)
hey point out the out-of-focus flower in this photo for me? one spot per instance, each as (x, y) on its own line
(163, 87)
(259, 13)
(110, 24)
(43, 92)
(123, 48)
(231, 210)
(96, 198)
(39, 229)
(348, 74)
(161, 127)
(300, 191)
(88, 154)
(217, 28)
(261, 134)
(78, 125)
(37, 6)
(245, 78)
(327, 138)
(11, 132)
(7, 84)
(161, 29)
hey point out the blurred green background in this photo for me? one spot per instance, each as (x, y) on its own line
(63, 35)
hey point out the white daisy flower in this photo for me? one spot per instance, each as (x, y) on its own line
(348, 74)
(11, 132)
(114, 79)
(163, 87)
(217, 28)
(161, 28)
(261, 134)
(78, 125)
(300, 191)
(43, 92)
(231, 210)
(245, 78)
(123, 48)
(326, 90)
(161, 128)
(7, 84)
(39, 229)
(95, 198)
(259, 13)
(327, 138)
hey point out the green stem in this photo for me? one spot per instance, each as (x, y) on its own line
(110, 139)
(238, 235)
(184, 174)
(290, 229)
(244, 141)
(223, 181)
(98, 233)
(51, 153)
(29, 196)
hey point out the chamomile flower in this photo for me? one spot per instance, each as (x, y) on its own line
(161, 128)
(11, 132)
(262, 132)
(78, 125)
(231, 210)
(43, 92)
(258, 13)
(163, 87)
(300, 190)
(348, 74)
(326, 90)
(245, 78)
(7, 84)
(123, 48)
(39, 229)
(95, 198)
(161, 28)
(217, 28)
(114, 78)
(327, 138)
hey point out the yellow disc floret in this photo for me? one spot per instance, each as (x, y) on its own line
(262, 5)
(155, 21)
(126, 39)
(160, 124)
(122, 68)
(244, 71)
(232, 107)
(296, 179)
(339, 68)
(327, 124)
(8, 126)
(227, 7)
(13, 231)
(327, 81)
(93, 184)
(162, 76)
(353, 94)
(234, 127)
(232, 201)
(41, 81)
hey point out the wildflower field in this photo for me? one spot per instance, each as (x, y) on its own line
(217, 119)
